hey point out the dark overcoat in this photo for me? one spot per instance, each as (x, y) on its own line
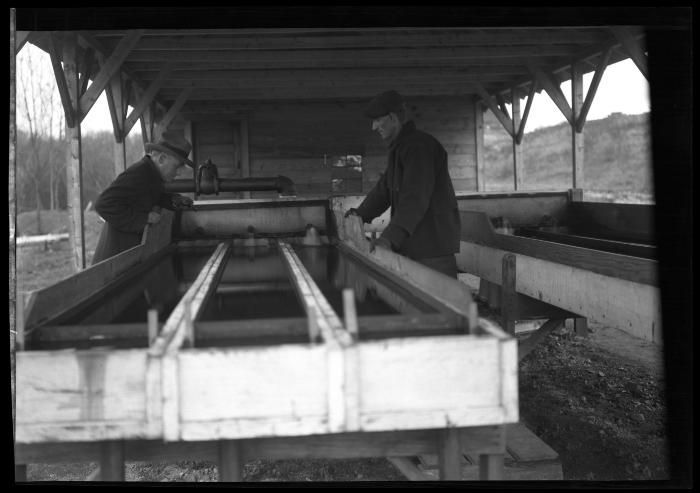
(125, 204)
(417, 186)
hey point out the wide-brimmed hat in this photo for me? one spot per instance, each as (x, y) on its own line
(174, 144)
(383, 104)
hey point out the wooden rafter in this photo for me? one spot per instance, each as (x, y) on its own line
(592, 89)
(488, 100)
(117, 105)
(108, 69)
(633, 48)
(552, 87)
(146, 99)
(85, 69)
(502, 105)
(175, 108)
(528, 104)
(61, 83)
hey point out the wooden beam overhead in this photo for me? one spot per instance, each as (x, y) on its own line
(502, 105)
(552, 87)
(86, 64)
(488, 100)
(263, 41)
(528, 104)
(322, 57)
(21, 38)
(109, 68)
(146, 99)
(595, 82)
(633, 48)
(61, 82)
(175, 108)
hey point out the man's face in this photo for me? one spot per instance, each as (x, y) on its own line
(168, 166)
(388, 126)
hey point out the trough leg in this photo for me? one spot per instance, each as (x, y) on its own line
(230, 461)
(509, 298)
(581, 326)
(112, 461)
(491, 467)
(449, 455)
(20, 473)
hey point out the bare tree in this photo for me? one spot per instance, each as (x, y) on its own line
(40, 112)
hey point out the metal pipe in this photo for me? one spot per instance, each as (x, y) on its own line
(282, 184)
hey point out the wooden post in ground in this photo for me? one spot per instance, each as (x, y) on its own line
(449, 455)
(491, 467)
(74, 162)
(577, 136)
(230, 461)
(581, 326)
(509, 297)
(517, 146)
(479, 137)
(112, 461)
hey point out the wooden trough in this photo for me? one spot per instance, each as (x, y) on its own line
(434, 380)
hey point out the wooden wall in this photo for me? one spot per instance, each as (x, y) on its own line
(298, 140)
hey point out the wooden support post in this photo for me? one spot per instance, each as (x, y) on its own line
(551, 86)
(230, 461)
(488, 101)
(245, 155)
(491, 467)
(350, 311)
(449, 455)
(189, 324)
(581, 326)
(509, 297)
(517, 147)
(479, 137)
(576, 133)
(19, 321)
(112, 461)
(74, 164)
(152, 326)
(117, 103)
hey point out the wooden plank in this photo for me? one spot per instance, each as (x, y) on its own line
(333, 446)
(146, 98)
(449, 454)
(528, 104)
(230, 461)
(633, 48)
(631, 249)
(553, 90)
(593, 88)
(630, 306)
(525, 347)
(107, 71)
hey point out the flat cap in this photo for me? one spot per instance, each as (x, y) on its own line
(383, 104)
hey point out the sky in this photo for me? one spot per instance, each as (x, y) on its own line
(622, 89)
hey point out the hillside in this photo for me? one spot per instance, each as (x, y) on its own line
(617, 155)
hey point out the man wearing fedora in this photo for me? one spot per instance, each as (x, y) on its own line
(424, 223)
(136, 196)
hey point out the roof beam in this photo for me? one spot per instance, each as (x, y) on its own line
(61, 82)
(488, 100)
(146, 99)
(110, 67)
(552, 87)
(633, 48)
(175, 108)
(592, 89)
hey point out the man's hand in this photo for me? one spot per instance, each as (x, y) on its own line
(181, 202)
(153, 217)
(353, 212)
(381, 242)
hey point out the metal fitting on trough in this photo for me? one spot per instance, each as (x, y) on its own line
(282, 184)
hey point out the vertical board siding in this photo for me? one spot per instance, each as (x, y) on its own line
(298, 140)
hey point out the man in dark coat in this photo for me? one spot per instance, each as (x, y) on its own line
(424, 223)
(136, 196)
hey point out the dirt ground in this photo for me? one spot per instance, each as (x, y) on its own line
(598, 401)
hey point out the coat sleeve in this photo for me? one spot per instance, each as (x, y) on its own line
(166, 201)
(417, 185)
(116, 203)
(376, 202)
